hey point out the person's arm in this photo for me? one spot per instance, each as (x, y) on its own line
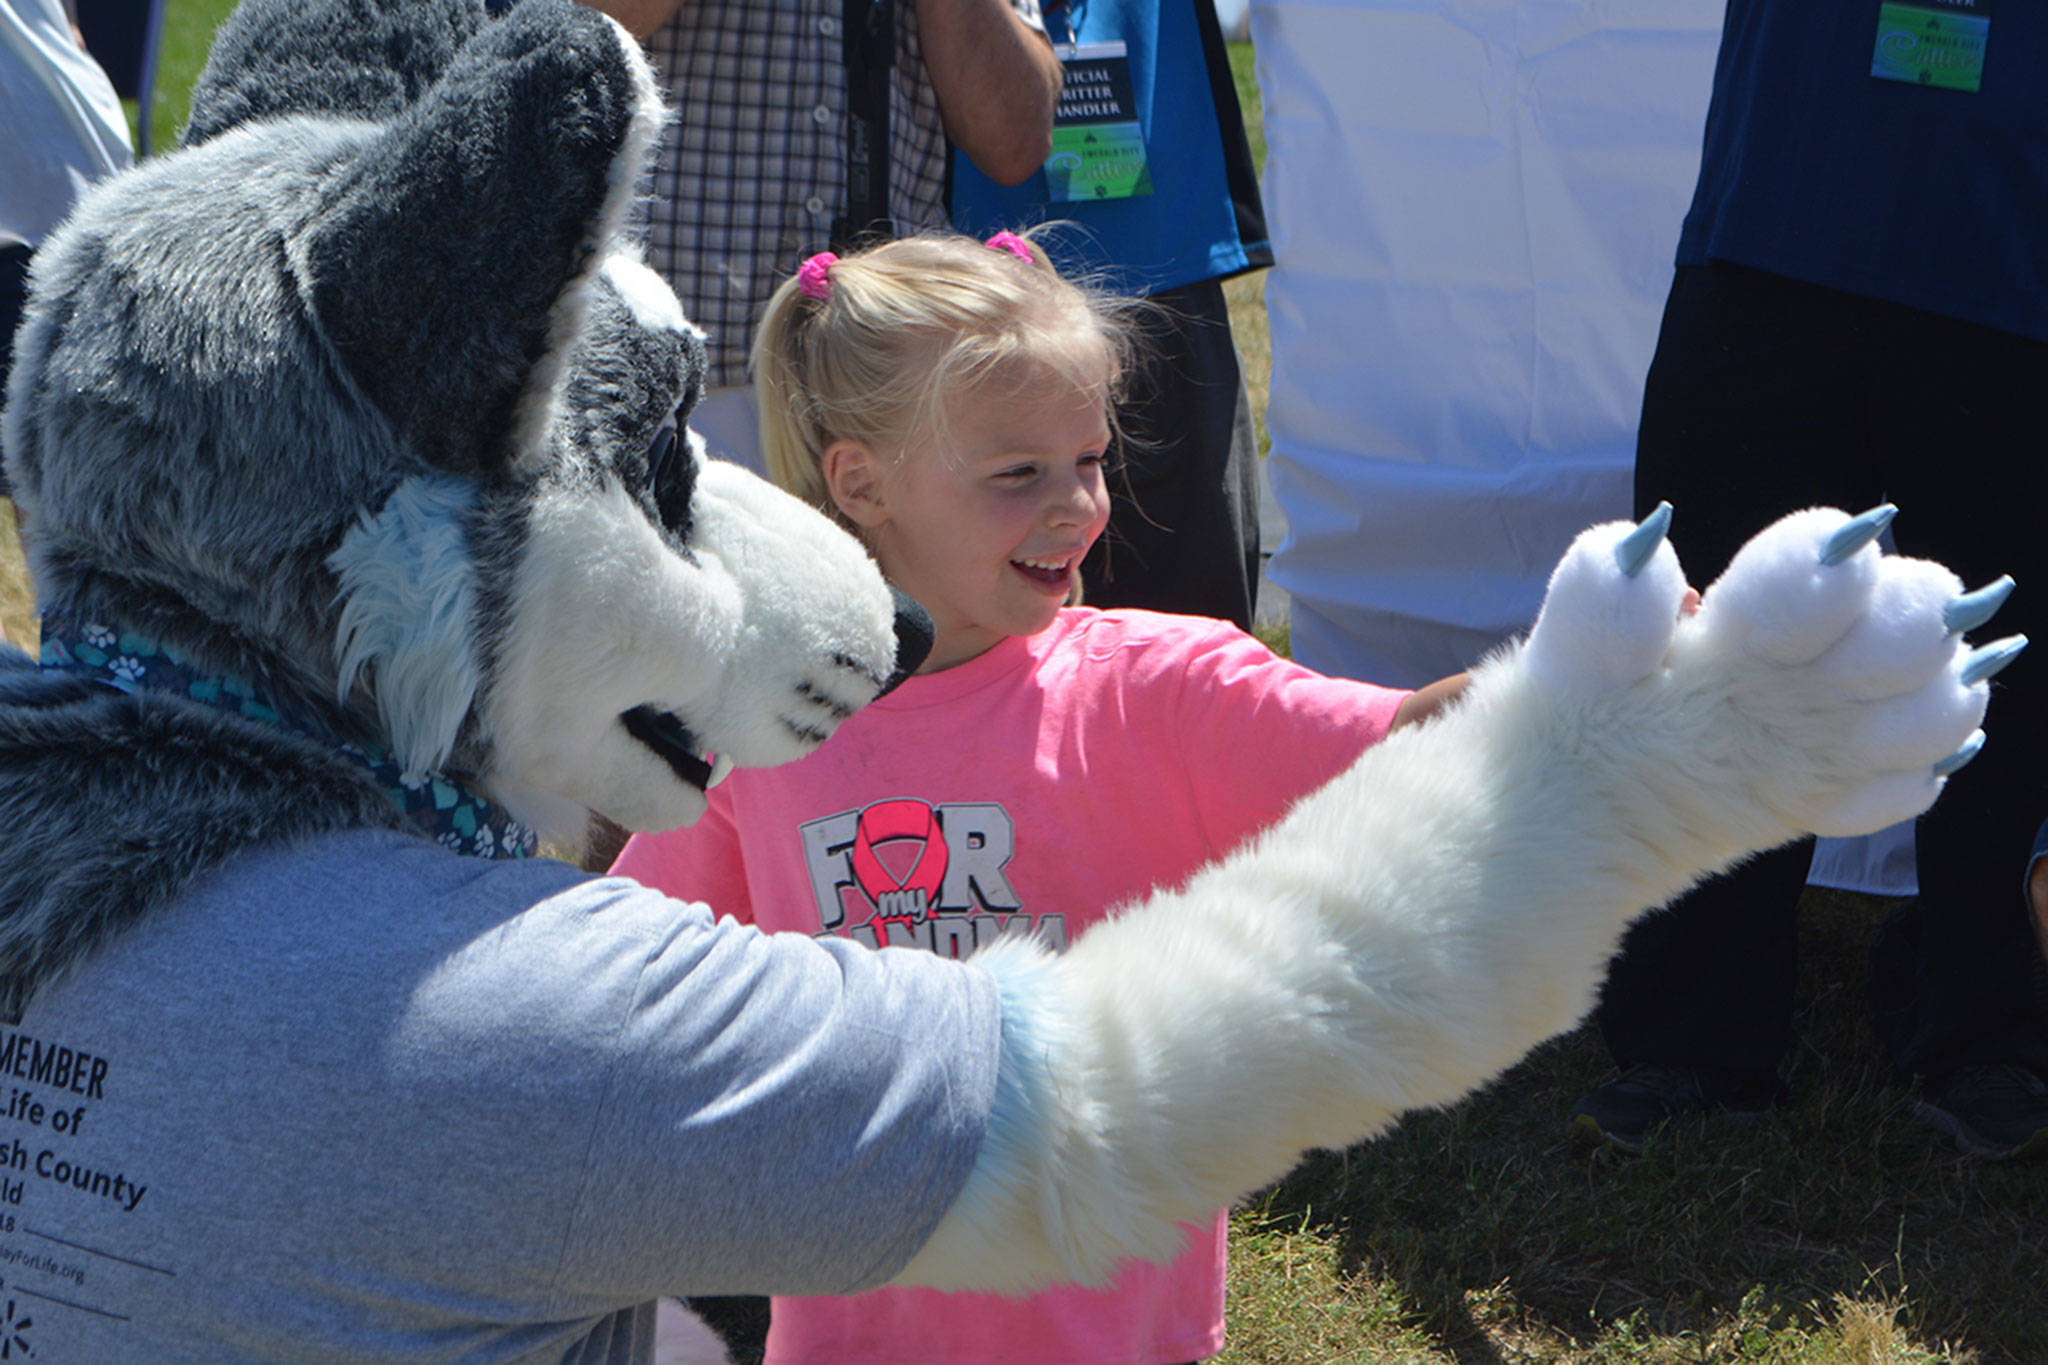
(640, 17)
(997, 82)
(1428, 702)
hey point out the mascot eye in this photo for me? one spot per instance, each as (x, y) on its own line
(671, 472)
(660, 450)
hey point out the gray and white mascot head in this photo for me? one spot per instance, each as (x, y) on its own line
(363, 402)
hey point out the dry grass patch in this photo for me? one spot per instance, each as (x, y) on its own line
(17, 594)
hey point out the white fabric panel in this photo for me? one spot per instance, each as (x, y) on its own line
(63, 123)
(1474, 204)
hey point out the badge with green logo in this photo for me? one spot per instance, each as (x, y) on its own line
(1098, 149)
(1935, 43)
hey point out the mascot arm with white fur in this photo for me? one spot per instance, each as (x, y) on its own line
(1409, 931)
(362, 397)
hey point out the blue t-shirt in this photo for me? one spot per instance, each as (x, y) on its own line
(1203, 219)
(1817, 170)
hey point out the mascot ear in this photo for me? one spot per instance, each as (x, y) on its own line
(449, 265)
(367, 59)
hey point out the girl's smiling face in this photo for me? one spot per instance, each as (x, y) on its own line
(985, 521)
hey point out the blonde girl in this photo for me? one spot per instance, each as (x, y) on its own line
(951, 401)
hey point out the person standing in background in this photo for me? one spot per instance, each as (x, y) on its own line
(778, 115)
(64, 130)
(1860, 315)
(1153, 184)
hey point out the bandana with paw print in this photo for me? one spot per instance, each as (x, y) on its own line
(451, 815)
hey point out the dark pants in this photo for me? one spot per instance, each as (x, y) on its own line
(1184, 513)
(1767, 395)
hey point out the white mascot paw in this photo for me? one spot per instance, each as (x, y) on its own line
(1822, 687)
(1611, 608)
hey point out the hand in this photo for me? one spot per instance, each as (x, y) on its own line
(1427, 703)
(640, 17)
(1848, 691)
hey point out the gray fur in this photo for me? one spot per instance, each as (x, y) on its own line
(167, 383)
(622, 387)
(115, 804)
(436, 265)
(369, 61)
(387, 258)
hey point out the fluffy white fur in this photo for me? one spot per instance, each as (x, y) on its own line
(408, 614)
(1410, 930)
(761, 642)
(654, 304)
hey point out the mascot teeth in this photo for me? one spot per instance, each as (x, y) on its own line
(664, 733)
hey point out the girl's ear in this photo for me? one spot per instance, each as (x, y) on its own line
(854, 479)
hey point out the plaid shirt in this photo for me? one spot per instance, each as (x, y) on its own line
(753, 166)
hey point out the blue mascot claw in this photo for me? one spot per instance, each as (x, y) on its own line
(1856, 533)
(1960, 759)
(1635, 548)
(1990, 660)
(1972, 609)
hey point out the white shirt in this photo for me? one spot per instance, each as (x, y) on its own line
(65, 127)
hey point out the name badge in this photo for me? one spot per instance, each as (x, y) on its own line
(1935, 43)
(1098, 150)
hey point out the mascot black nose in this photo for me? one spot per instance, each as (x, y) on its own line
(913, 639)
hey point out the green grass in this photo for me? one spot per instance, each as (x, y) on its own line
(1246, 295)
(1840, 1229)
(188, 32)
(1839, 1233)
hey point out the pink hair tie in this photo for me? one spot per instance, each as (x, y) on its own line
(1015, 245)
(814, 277)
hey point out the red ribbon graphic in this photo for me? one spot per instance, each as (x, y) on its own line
(885, 822)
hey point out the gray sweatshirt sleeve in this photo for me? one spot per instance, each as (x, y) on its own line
(767, 1112)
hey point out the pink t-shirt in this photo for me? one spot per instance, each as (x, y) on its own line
(1030, 789)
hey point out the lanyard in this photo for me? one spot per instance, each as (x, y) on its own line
(868, 37)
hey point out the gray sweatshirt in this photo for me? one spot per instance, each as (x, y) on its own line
(359, 1099)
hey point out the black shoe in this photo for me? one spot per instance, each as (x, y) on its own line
(1999, 1111)
(1644, 1097)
